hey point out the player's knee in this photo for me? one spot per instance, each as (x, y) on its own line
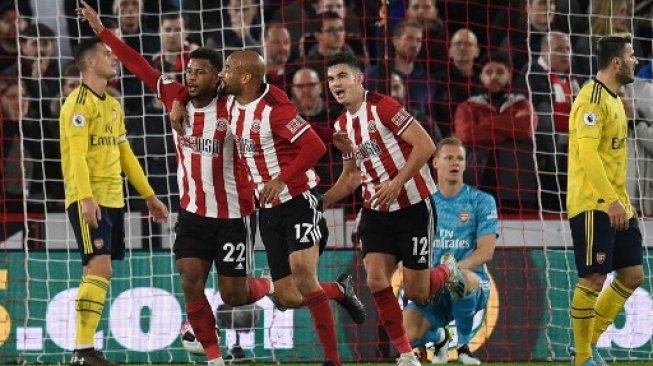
(377, 282)
(234, 298)
(290, 300)
(193, 286)
(593, 281)
(633, 280)
(419, 297)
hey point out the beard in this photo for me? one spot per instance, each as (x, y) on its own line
(625, 76)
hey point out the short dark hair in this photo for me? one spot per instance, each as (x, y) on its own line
(37, 30)
(346, 58)
(401, 27)
(611, 46)
(328, 15)
(499, 57)
(206, 53)
(84, 48)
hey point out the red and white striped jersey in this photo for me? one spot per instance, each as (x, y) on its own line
(212, 177)
(265, 131)
(379, 151)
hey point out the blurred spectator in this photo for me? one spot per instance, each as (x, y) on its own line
(277, 52)
(38, 66)
(330, 40)
(307, 96)
(18, 168)
(520, 29)
(299, 16)
(407, 42)
(640, 143)
(398, 92)
(497, 128)
(70, 80)
(606, 17)
(8, 47)
(144, 40)
(552, 92)
(459, 80)
(174, 56)
(240, 27)
(434, 50)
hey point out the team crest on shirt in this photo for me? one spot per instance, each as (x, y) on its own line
(256, 125)
(371, 126)
(590, 118)
(463, 217)
(98, 243)
(79, 120)
(222, 124)
(600, 257)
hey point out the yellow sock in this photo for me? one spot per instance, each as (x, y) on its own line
(610, 302)
(91, 295)
(582, 320)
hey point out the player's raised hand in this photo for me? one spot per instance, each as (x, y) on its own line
(618, 215)
(91, 212)
(158, 209)
(342, 142)
(178, 117)
(89, 15)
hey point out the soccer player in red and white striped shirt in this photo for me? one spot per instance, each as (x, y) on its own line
(386, 150)
(280, 150)
(216, 192)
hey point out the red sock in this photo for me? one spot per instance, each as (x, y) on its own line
(200, 317)
(331, 290)
(258, 287)
(391, 318)
(320, 309)
(439, 276)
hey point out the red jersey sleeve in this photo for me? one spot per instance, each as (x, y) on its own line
(393, 115)
(165, 87)
(286, 122)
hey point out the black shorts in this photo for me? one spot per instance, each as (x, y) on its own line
(293, 225)
(407, 233)
(226, 242)
(598, 248)
(107, 239)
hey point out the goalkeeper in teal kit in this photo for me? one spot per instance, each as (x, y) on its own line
(466, 233)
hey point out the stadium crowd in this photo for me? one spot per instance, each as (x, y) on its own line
(500, 76)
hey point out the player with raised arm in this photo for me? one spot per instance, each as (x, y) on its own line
(94, 154)
(603, 225)
(385, 150)
(216, 194)
(280, 150)
(467, 229)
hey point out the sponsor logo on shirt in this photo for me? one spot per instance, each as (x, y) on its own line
(104, 140)
(204, 146)
(368, 149)
(246, 147)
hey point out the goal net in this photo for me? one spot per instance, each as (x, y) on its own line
(413, 51)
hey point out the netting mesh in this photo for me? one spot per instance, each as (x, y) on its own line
(430, 56)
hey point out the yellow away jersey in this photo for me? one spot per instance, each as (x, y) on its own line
(597, 125)
(91, 128)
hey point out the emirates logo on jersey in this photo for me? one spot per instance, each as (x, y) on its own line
(222, 124)
(463, 217)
